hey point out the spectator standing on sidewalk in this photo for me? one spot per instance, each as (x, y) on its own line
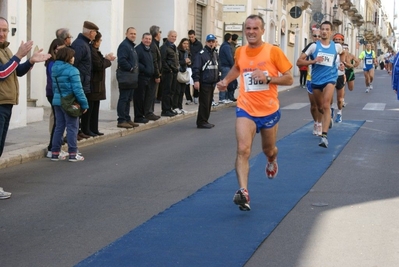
(128, 62)
(97, 81)
(205, 76)
(184, 62)
(66, 81)
(195, 47)
(83, 63)
(170, 67)
(302, 77)
(143, 96)
(226, 63)
(55, 45)
(10, 69)
(259, 66)
(156, 56)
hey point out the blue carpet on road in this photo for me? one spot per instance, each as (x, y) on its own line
(207, 229)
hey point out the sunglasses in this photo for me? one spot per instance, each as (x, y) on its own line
(318, 36)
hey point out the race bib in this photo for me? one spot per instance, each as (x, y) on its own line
(369, 61)
(252, 85)
(328, 59)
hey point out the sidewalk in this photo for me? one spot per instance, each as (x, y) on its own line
(30, 142)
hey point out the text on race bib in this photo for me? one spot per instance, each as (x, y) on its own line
(252, 85)
(328, 59)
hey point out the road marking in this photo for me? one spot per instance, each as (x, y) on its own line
(374, 106)
(296, 106)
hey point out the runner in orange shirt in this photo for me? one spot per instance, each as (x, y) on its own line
(261, 67)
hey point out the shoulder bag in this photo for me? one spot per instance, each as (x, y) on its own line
(128, 78)
(69, 103)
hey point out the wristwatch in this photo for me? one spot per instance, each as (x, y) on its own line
(268, 79)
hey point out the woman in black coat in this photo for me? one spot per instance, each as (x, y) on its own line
(97, 82)
(184, 62)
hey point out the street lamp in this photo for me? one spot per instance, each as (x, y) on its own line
(335, 10)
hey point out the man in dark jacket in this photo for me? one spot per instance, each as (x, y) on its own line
(156, 56)
(144, 95)
(128, 62)
(83, 63)
(170, 67)
(205, 76)
(226, 63)
(195, 47)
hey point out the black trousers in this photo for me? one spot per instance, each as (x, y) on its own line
(94, 116)
(169, 83)
(205, 103)
(85, 118)
(138, 98)
(302, 78)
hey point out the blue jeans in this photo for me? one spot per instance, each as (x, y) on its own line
(5, 117)
(123, 107)
(224, 71)
(71, 124)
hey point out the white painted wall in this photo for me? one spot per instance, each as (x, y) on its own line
(17, 9)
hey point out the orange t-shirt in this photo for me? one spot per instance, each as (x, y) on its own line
(259, 99)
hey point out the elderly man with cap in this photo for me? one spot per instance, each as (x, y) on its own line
(83, 63)
(205, 76)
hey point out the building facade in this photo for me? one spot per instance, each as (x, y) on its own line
(288, 24)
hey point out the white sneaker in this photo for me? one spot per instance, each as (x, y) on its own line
(367, 89)
(323, 142)
(215, 104)
(63, 154)
(371, 86)
(195, 100)
(227, 101)
(76, 158)
(177, 111)
(4, 194)
(183, 111)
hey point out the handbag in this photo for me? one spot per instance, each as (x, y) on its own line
(69, 103)
(128, 78)
(183, 77)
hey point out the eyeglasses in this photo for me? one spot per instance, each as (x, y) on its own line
(314, 35)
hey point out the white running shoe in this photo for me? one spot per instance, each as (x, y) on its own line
(323, 142)
(371, 86)
(4, 194)
(215, 104)
(367, 89)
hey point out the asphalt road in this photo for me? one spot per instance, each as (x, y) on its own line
(61, 212)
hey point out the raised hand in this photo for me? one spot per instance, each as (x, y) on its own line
(39, 57)
(24, 49)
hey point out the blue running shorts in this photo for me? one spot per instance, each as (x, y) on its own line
(309, 87)
(260, 122)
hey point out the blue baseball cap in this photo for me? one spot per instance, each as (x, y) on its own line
(210, 37)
